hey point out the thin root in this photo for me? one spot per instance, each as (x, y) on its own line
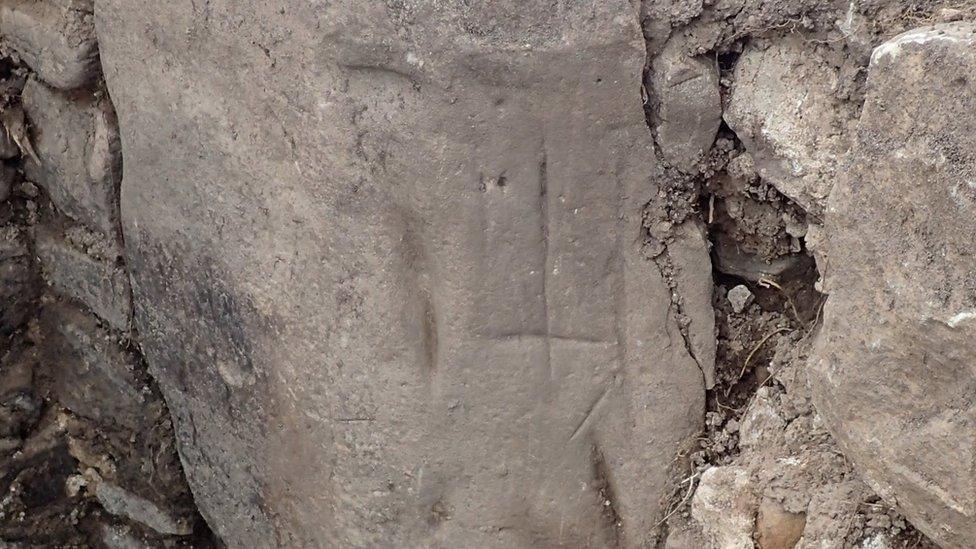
(691, 488)
(752, 353)
(767, 282)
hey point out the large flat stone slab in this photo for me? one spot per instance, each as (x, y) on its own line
(895, 375)
(387, 269)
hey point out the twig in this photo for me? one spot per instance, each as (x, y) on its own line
(691, 488)
(729, 408)
(850, 523)
(753, 353)
(816, 319)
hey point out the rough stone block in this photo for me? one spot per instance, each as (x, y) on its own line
(101, 285)
(76, 139)
(688, 112)
(894, 375)
(56, 38)
(95, 376)
(784, 109)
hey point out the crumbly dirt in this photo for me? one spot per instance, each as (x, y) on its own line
(760, 372)
(760, 416)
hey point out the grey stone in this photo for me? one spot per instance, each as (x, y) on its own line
(102, 286)
(762, 424)
(688, 112)
(725, 505)
(894, 374)
(740, 297)
(730, 258)
(121, 502)
(783, 107)
(77, 141)
(96, 377)
(388, 282)
(56, 38)
(687, 538)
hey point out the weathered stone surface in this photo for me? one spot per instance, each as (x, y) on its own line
(77, 141)
(725, 506)
(688, 112)
(100, 285)
(95, 378)
(784, 108)
(388, 272)
(56, 38)
(895, 375)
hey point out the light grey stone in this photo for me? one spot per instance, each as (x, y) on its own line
(56, 38)
(783, 107)
(725, 506)
(893, 375)
(740, 297)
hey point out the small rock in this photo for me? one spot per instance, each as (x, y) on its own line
(778, 528)
(73, 485)
(879, 541)
(733, 260)
(762, 422)
(740, 297)
(742, 167)
(725, 506)
(123, 503)
(689, 104)
(56, 38)
(8, 148)
(101, 285)
(119, 537)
